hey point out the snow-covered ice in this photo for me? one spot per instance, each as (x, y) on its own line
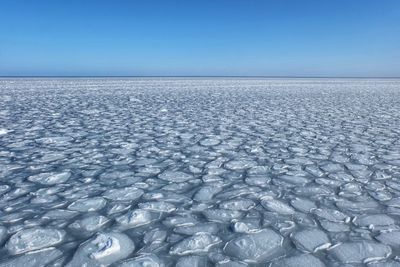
(199, 172)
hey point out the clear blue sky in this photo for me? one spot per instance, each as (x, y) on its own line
(215, 37)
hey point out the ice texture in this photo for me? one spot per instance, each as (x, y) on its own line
(255, 247)
(199, 172)
(33, 239)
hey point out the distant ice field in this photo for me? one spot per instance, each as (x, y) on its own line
(199, 172)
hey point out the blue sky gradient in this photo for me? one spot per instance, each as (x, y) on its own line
(219, 37)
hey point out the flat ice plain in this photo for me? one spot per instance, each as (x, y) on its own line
(199, 172)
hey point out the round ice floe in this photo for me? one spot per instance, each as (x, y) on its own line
(258, 180)
(296, 180)
(334, 227)
(222, 215)
(59, 214)
(238, 204)
(369, 220)
(361, 206)
(331, 215)
(381, 196)
(201, 242)
(311, 240)
(210, 142)
(50, 178)
(303, 260)
(255, 247)
(246, 226)
(229, 263)
(103, 250)
(47, 158)
(158, 206)
(395, 202)
(389, 263)
(155, 236)
(211, 228)
(175, 176)
(206, 193)
(124, 194)
(34, 259)
(390, 238)
(360, 252)
(276, 206)
(240, 164)
(55, 140)
(90, 223)
(149, 260)
(88, 204)
(195, 261)
(33, 239)
(138, 218)
(313, 191)
(117, 208)
(303, 205)
(174, 221)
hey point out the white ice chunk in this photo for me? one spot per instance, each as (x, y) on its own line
(240, 164)
(201, 242)
(50, 178)
(360, 252)
(255, 247)
(370, 220)
(158, 206)
(137, 218)
(238, 204)
(124, 194)
(90, 223)
(175, 176)
(34, 239)
(103, 250)
(148, 260)
(311, 240)
(192, 261)
(276, 206)
(303, 205)
(88, 204)
(303, 260)
(390, 238)
(34, 259)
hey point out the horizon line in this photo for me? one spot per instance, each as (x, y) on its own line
(198, 76)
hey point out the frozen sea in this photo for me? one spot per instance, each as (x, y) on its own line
(199, 172)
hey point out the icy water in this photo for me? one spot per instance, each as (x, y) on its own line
(199, 172)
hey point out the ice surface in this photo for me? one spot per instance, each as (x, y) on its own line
(50, 178)
(390, 238)
(311, 240)
(195, 261)
(89, 224)
(256, 247)
(103, 250)
(201, 242)
(33, 239)
(174, 176)
(150, 260)
(360, 252)
(88, 204)
(124, 194)
(277, 206)
(33, 259)
(199, 172)
(137, 218)
(303, 260)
